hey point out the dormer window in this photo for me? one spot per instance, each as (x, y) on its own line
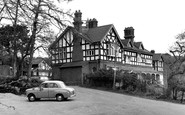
(129, 44)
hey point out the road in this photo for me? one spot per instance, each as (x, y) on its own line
(89, 102)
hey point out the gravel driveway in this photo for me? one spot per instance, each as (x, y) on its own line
(88, 102)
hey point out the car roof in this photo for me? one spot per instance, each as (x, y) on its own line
(53, 81)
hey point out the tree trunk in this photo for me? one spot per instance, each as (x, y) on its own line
(174, 93)
(182, 98)
(15, 42)
(33, 36)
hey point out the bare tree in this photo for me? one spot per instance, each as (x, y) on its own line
(176, 79)
(39, 16)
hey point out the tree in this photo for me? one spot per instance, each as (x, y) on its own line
(6, 10)
(38, 15)
(176, 79)
(8, 36)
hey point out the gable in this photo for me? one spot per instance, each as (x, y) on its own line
(66, 39)
(43, 65)
(112, 37)
(55, 43)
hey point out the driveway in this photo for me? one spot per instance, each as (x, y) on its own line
(89, 102)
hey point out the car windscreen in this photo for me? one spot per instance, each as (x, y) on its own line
(62, 85)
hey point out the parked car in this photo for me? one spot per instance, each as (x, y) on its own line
(50, 89)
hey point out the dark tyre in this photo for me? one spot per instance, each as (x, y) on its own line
(59, 97)
(65, 99)
(31, 97)
(37, 99)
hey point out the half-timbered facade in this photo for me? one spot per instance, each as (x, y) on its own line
(158, 62)
(80, 50)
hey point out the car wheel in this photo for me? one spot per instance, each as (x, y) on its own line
(59, 97)
(31, 97)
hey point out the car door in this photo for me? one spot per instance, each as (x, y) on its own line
(53, 88)
(44, 91)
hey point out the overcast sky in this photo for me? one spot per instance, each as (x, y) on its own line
(156, 22)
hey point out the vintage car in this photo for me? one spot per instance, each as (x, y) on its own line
(50, 89)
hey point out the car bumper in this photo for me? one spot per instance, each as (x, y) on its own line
(73, 95)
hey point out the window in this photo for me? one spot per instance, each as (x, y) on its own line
(62, 53)
(111, 50)
(60, 43)
(44, 85)
(90, 52)
(53, 85)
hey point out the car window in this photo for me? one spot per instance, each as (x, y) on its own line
(62, 85)
(44, 85)
(53, 85)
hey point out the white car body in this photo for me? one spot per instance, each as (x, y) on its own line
(50, 89)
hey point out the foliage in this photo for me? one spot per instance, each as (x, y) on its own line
(129, 81)
(17, 86)
(15, 39)
(40, 16)
(9, 33)
(102, 77)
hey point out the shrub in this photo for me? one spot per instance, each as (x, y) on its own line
(17, 86)
(100, 78)
(154, 89)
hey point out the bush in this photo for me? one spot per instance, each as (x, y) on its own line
(154, 89)
(101, 78)
(17, 86)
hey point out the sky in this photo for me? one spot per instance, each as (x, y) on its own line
(156, 22)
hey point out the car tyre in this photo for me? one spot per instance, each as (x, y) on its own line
(37, 99)
(59, 97)
(31, 97)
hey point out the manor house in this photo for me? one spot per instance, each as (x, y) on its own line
(84, 49)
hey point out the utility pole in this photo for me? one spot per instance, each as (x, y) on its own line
(116, 48)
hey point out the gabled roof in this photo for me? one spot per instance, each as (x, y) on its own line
(98, 33)
(57, 39)
(74, 32)
(37, 61)
(125, 42)
(135, 46)
(92, 35)
(138, 45)
(157, 57)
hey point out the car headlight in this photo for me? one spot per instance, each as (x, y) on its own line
(68, 92)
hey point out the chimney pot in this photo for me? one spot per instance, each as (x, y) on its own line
(78, 21)
(129, 33)
(92, 23)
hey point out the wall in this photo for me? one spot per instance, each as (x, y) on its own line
(77, 53)
(56, 73)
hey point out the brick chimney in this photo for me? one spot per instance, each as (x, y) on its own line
(152, 51)
(129, 33)
(78, 21)
(92, 23)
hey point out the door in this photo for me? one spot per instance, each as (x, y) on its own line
(71, 75)
(44, 91)
(53, 88)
